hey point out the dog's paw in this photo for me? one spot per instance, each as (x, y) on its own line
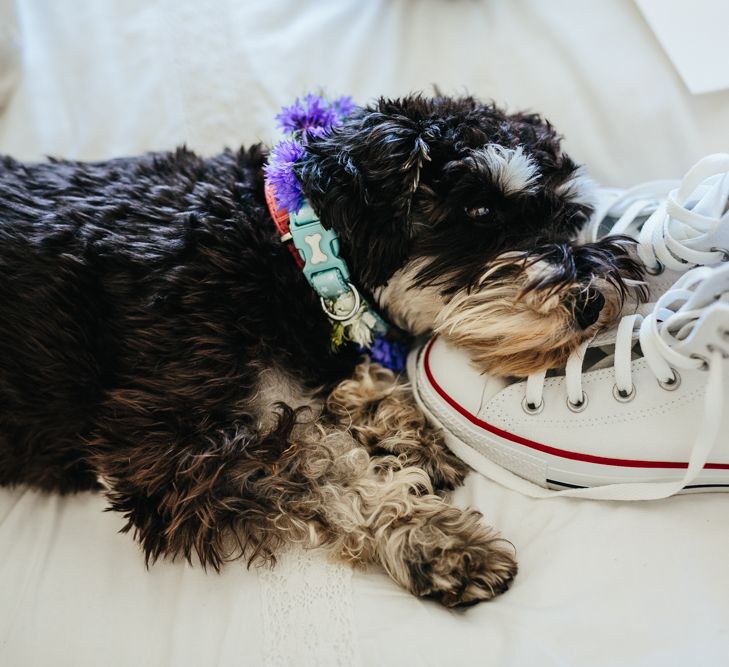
(464, 576)
(468, 566)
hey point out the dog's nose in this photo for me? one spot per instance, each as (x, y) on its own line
(588, 307)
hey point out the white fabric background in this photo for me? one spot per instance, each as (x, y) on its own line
(600, 584)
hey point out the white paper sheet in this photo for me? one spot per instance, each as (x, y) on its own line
(695, 37)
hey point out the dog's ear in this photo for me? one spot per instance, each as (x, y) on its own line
(361, 179)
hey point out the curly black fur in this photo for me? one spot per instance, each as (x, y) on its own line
(141, 298)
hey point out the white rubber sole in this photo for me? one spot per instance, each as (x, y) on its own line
(533, 468)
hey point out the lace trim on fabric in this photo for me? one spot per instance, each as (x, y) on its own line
(308, 616)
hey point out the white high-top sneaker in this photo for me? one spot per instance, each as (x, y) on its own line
(638, 413)
(678, 224)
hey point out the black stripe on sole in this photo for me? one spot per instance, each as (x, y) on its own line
(690, 486)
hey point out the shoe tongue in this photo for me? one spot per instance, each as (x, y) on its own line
(604, 337)
(601, 351)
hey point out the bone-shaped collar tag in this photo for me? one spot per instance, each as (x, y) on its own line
(314, 242)
(318, 247)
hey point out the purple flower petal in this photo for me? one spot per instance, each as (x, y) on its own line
(280, 173)
(314, 114)
(343, 106)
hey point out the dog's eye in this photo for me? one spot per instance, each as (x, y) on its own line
(579, 218)
(479, 214)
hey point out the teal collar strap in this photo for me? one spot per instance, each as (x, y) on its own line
(325, 270)
(318, 248)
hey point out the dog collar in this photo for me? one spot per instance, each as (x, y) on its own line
(316, 252)
(316, 249)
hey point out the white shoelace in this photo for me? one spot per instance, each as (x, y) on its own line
(678, 314)
(673, 236)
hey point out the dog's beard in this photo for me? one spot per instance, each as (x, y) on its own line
(521, 315)
(511, 328)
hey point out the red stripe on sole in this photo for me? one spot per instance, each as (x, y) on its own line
(547, 449)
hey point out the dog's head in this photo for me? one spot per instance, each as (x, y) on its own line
(459, 218)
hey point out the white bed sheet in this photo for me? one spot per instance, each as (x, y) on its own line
(600, 583)
(9, 50)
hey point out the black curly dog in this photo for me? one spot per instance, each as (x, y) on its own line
(158, 341)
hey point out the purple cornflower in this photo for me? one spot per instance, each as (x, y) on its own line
(314, 115)
(280, 173)
(304, 115)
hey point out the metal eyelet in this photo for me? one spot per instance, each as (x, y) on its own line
(672, 384)
(623, 396)
(657, 270)
(530, 408)
(350, 314)
(722, 251)
(580, 405)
